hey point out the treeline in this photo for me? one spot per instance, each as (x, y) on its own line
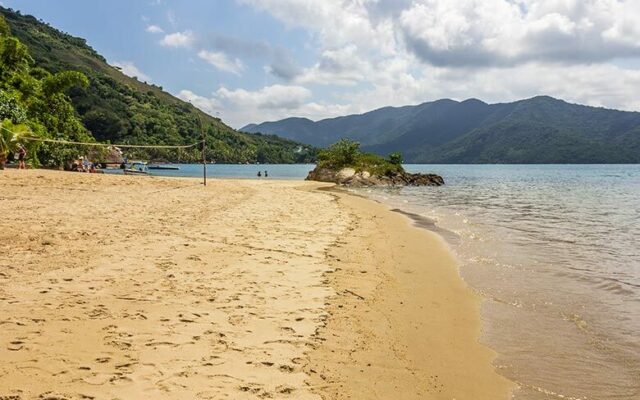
(33, 102)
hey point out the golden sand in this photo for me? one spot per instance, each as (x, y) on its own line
(115, 287)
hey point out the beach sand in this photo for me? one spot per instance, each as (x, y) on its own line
(115, 287)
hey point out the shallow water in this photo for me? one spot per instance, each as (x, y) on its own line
(555, 252)
(236, 171)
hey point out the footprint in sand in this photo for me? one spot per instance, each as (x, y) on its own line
(15, 345)
(255, 389)
(218, 346)
(285, 389)
(52, 396)
(286, 368)
(236, 319)
(99, 312)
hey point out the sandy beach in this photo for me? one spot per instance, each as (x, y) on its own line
(115, 287)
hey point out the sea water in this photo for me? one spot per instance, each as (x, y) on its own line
(236, 171)
(554, 251)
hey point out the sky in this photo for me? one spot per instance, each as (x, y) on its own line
(262, 60)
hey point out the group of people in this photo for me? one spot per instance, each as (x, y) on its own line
(82, 164)
(266, 174)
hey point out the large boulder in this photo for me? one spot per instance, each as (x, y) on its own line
(351, 177)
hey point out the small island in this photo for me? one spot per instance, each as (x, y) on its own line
(343, 163)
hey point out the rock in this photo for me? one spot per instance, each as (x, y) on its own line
(350, 177)
(346, 173)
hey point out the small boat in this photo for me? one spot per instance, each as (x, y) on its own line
(165, 167)
(136, 168)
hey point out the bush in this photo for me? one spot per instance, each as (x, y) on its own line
(395, 158)
(346, 154)
(341, 154)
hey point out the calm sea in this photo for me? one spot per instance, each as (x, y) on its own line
(554, 250)
(237, 171)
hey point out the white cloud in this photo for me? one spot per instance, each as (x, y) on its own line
(269, 97)
(222, 62)
(154, 29)
(129, 69)
(178, 39)
(209, 105)
(239, 107)
(342, 66)
(502, 32)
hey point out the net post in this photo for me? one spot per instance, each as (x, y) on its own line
(204, 156)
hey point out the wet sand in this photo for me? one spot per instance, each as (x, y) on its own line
(115, 287)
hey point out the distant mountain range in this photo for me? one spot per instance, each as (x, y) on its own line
(537, 130)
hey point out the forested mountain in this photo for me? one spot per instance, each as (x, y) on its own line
(114, 107)
(537, 130)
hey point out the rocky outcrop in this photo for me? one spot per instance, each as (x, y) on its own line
(350, 177)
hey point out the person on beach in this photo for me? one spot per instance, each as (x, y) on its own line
(22, 154)
(259, 174)
(266, 174)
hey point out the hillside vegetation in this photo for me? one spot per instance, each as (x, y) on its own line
(114, 107)
(537, 130)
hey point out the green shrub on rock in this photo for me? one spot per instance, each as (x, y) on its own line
(346, 154)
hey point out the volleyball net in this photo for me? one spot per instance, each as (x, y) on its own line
(115, 153)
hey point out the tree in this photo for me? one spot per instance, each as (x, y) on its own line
(342, 153)
(395, 158)
(10, 109)
(14, 56)
(60, 82)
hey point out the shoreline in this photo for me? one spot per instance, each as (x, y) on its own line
(134, 286)
(397, 285)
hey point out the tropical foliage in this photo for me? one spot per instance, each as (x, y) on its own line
(116, 108)
(33, 102)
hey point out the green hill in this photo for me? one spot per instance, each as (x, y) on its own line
(537, 130)
(120, 109)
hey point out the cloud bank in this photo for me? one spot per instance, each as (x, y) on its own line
(373, 53)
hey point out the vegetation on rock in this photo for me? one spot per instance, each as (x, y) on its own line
(346, 154)
(345, 164)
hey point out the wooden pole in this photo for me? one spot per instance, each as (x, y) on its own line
(204, 155)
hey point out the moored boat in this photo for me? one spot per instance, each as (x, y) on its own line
(136, 168)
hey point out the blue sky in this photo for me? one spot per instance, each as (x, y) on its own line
(256, 60)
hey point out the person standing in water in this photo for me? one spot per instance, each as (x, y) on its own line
(266, 174)
(259, 174)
